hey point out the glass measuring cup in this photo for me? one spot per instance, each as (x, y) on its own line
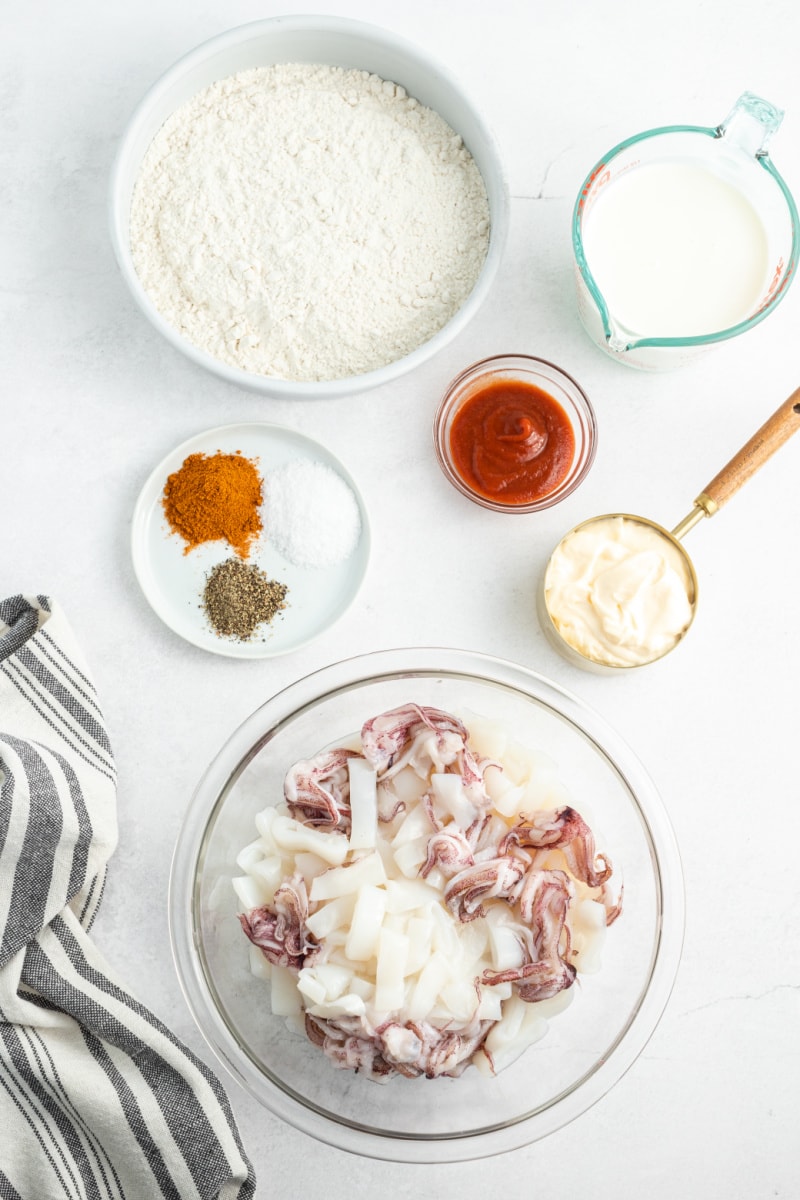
(568, 614)
(735, 153)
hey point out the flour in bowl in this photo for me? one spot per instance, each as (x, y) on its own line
(308, 222)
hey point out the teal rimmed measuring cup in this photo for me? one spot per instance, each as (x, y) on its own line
(732, 158)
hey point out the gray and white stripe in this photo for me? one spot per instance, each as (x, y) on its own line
(98, 1099)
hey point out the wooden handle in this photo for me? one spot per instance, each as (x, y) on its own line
(762, 445)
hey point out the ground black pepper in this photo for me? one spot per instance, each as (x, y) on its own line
(238, 597)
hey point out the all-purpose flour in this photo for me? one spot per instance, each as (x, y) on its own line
(308, 222)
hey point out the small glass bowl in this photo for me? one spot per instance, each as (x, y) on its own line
(542, 374)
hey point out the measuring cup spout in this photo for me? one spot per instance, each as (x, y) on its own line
(750, 124)
(619, 340)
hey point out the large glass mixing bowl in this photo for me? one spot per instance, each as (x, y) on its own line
(587, 1048)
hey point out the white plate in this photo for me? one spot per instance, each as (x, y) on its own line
(173, 582)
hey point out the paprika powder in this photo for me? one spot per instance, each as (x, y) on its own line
(212, 497)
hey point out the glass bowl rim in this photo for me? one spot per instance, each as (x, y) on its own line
(231, 760)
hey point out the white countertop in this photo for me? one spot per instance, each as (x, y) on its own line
(93, 398)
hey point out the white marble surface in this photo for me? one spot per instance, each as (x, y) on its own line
(92, 398)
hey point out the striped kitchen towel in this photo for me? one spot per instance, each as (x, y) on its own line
(98, 1099)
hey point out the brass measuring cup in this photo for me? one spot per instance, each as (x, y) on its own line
(775, 431)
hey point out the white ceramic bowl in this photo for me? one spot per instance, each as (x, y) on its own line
(587, 1048)
(310, 39)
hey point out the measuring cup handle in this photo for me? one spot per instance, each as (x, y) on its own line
(754, 453)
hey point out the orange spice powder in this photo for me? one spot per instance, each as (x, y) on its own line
(215, 496)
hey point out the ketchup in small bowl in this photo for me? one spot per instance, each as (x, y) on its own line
(515, 433)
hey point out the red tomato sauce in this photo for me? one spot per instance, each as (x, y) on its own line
(511, 442)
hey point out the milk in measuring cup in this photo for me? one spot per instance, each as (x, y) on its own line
(676, 251)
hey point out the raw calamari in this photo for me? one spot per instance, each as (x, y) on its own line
(364, 939)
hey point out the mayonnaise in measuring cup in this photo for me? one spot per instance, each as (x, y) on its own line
(676, 251)
(618, 591)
